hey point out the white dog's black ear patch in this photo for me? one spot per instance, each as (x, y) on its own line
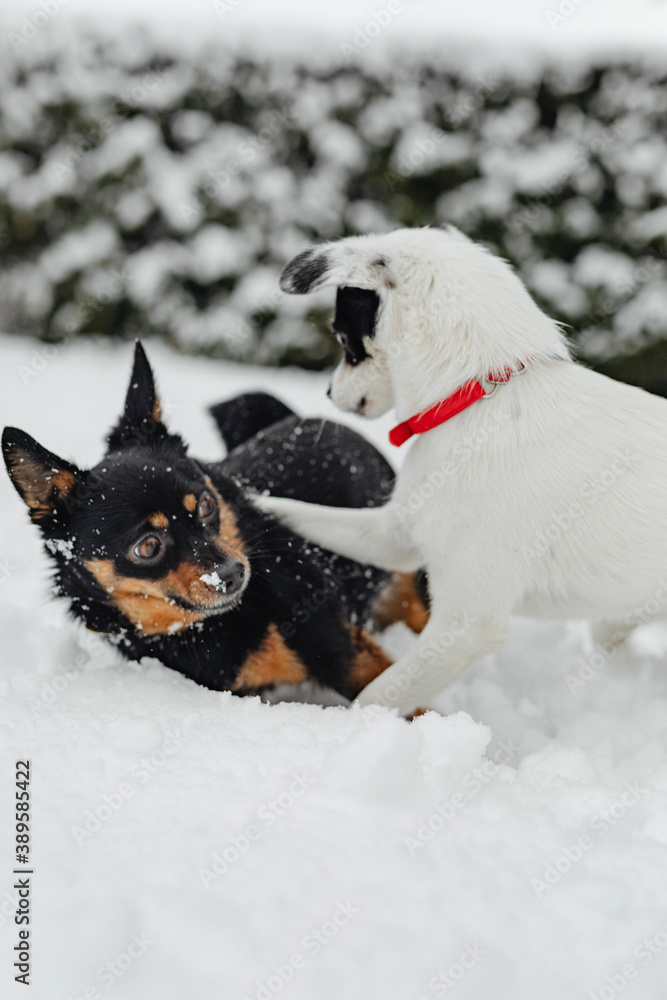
(304, 272)
(355, 320)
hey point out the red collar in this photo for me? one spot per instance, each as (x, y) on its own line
(446, 408)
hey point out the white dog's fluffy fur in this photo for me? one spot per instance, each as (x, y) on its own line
(548, 498)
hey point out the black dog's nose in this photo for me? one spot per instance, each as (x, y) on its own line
(226, 577)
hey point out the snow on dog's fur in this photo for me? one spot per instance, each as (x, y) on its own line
(546, 498)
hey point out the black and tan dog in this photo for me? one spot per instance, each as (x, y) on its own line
(169, 557)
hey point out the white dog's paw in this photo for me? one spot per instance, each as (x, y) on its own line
(390, 690)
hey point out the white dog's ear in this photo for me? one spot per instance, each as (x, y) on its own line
(347, 262)
(306, 272)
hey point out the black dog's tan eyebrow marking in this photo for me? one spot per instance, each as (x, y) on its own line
(159, 520)
(190, 502)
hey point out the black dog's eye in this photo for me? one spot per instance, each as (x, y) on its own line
(148, 548)
(342, 340)
(206, 508)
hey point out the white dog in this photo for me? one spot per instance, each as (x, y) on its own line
(545, 494)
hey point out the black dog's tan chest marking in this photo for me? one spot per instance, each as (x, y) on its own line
(276, 663)
(273, 663)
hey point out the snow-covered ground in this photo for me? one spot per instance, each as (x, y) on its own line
(190, 845)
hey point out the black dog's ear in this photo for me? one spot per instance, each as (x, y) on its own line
(306, 271)
(43, 480)
(142, 416)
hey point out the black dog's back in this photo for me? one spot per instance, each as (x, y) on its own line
(271, 449)
(315, 461)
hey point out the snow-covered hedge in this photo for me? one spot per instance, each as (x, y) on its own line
(142, 191)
